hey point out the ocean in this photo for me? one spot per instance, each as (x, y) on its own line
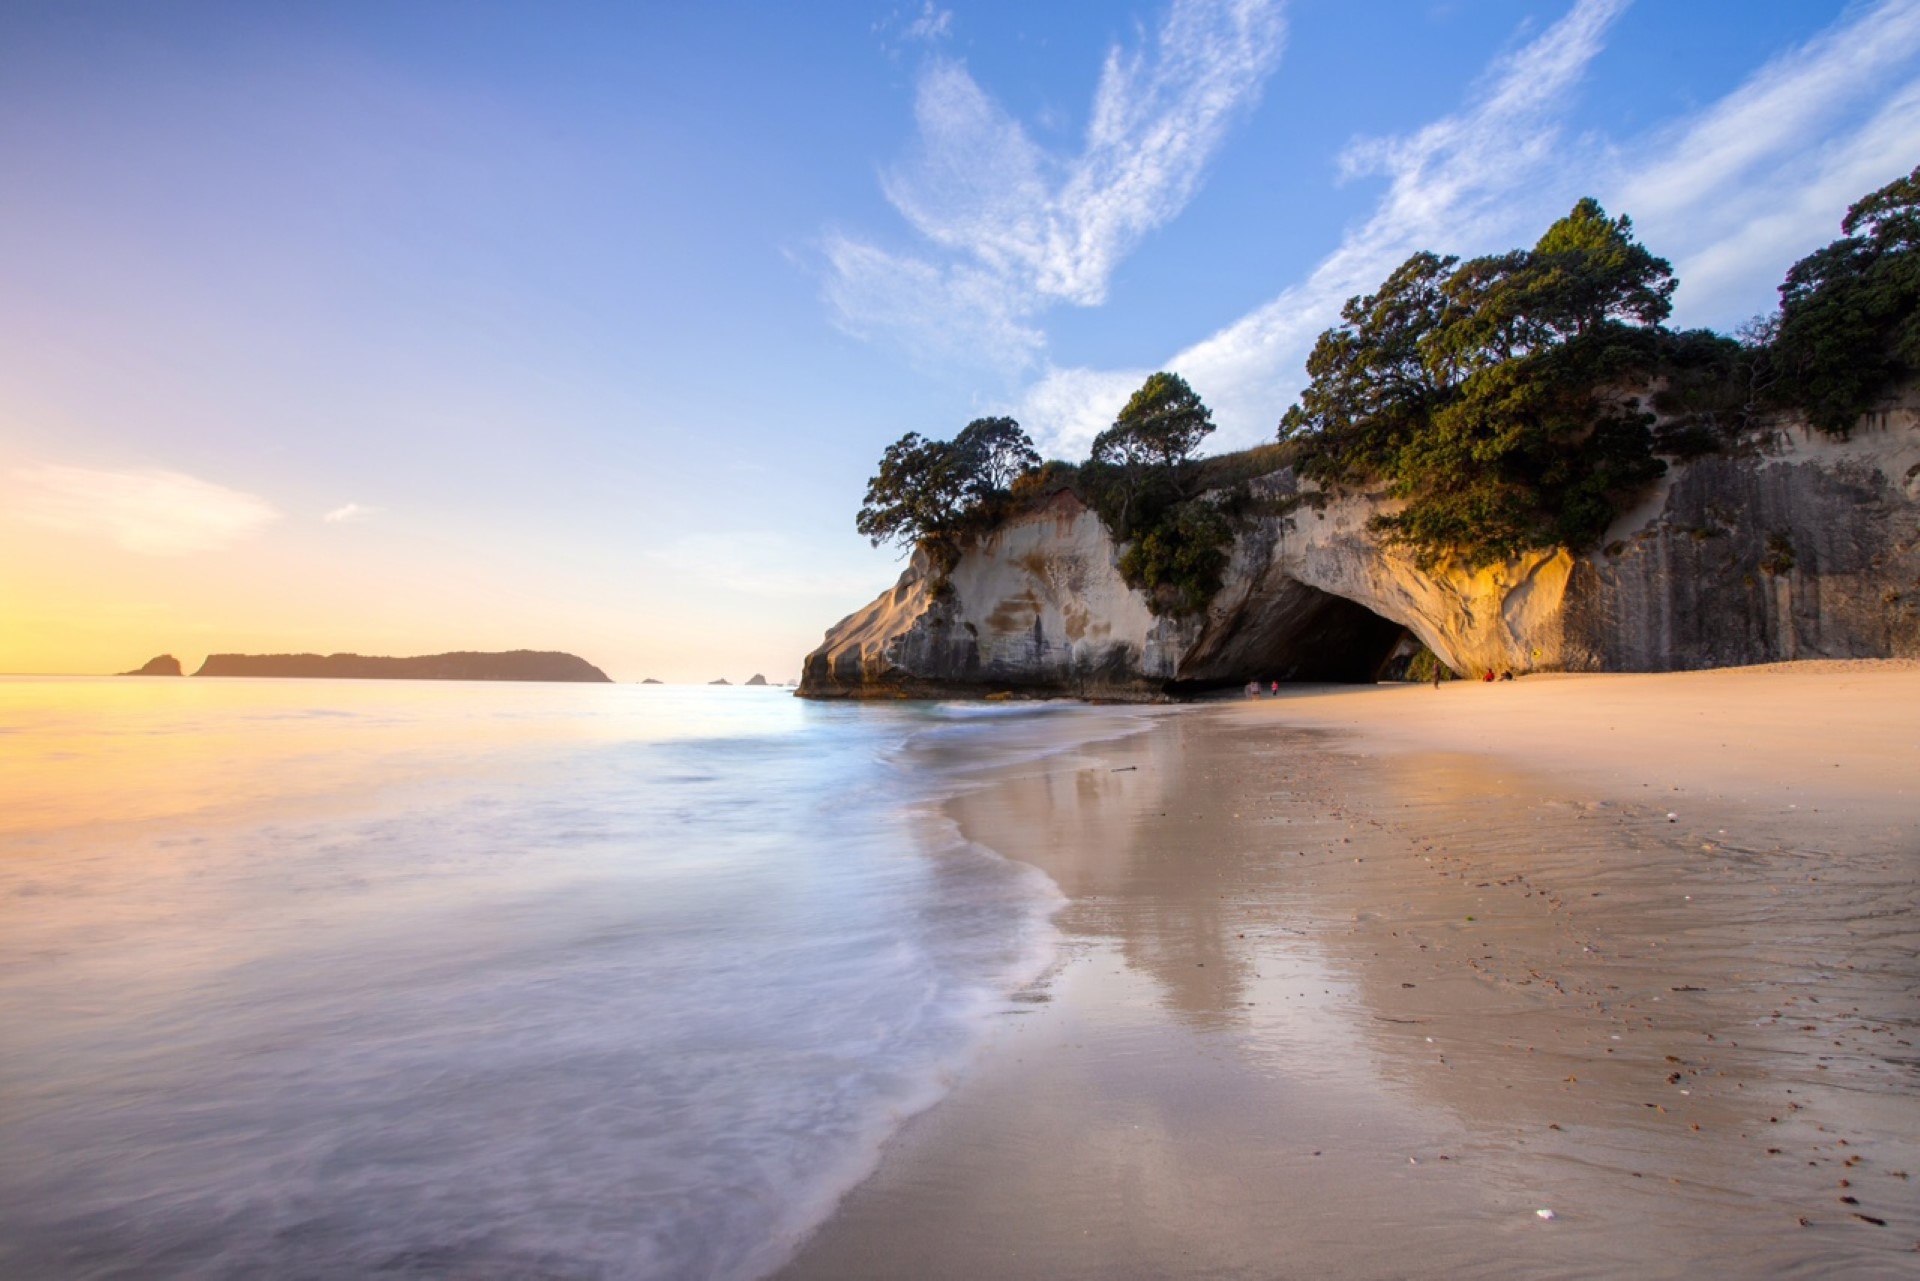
(364, 978)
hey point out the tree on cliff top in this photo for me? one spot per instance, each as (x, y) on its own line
(995, 452)
(1162, 424)
(1136, 462)
(928, 493)
(1475, 391)
(1849, 324)
(1142, 482)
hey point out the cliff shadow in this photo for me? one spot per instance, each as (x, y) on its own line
(1297, 633)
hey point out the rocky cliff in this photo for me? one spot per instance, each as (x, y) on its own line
(1797, 546)
(164, 665)
(513, 665)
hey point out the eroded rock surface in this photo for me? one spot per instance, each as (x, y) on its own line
(1801, 547)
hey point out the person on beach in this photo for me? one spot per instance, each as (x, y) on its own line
(1275, 693)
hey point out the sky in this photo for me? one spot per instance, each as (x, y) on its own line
(407, 327)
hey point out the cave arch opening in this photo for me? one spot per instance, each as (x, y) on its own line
(1300, 633)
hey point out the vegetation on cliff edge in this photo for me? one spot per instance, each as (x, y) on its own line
(1162, 506)
(1512, 401)
(1848, 329)
(1518, 400)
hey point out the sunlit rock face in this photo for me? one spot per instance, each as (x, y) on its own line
(1037, 605)
(1802, 547)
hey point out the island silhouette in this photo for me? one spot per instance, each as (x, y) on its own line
(463, 665)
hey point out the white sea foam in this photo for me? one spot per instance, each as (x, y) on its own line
(475, 980)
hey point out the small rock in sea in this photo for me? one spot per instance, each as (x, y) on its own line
(1544, 1214)
(1672, 817)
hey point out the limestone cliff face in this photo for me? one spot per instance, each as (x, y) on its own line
(1801, 547)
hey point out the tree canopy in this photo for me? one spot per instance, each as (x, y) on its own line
(1142, 481)
(1849, 324)
(994, 453)
(1487, 393)
(1504, 399)
(1136, 463)
(1161, 426)
(928, 493)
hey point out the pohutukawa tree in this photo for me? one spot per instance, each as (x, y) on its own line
(1849, 323)
(995, 452)
(1143, 482)
(1152, 437)
(1480, 391)
(930, 493)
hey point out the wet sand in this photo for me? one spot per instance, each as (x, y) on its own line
(1359, 982)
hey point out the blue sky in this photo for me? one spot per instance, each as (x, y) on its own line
(404, 327)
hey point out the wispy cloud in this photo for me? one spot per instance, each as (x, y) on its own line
(954, 315)
(1065, 410)
(1733, 194)
(897, 30)
(348, 514)
(153, 513)
(1010, 228)
(1764, 174)
(1451, 184)
(932, 24)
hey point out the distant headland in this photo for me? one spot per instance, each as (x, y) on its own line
(512, 665)
(164, 665)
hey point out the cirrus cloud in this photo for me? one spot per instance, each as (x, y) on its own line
(1010, 228)
(1733, 193)
(149, 512)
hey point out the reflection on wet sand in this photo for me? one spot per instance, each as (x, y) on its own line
(1332, 1015)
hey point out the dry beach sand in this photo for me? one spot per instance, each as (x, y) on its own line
(1576, 976)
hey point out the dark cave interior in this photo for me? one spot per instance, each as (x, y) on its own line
(1301, 634)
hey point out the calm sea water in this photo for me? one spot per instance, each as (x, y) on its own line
(331, 979)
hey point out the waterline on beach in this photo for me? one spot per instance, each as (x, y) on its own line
(508, 979)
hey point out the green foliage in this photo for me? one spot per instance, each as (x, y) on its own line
(1371, 385)
(1711, 390)
(1149, 491)
(1586, 272)
(1425, 667)
(1135, 472)
(1849, 325)
(932, 493)
(994, 452)
(1179, 560)
(919, 491)
(1161, 425)
(1490, 394)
